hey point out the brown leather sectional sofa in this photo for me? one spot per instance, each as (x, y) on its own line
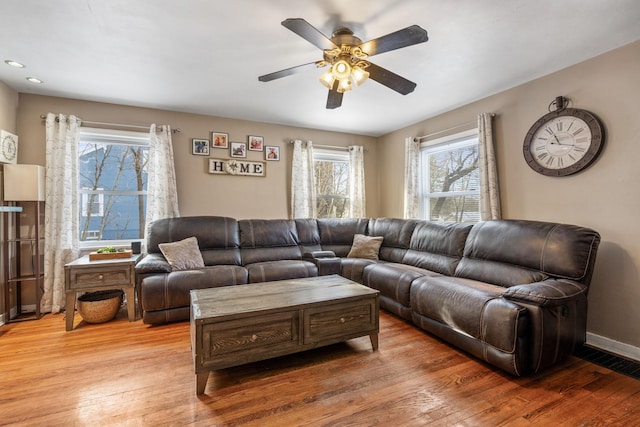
(512, 293)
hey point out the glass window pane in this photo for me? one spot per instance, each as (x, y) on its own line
(332, 188)
(454, 209)
(454, 170)
(112, 187)
(122, 219)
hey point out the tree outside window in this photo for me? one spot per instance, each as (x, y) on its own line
(451, 180)
(332, 183)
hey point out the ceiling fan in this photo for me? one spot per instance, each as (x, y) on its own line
(347, 56)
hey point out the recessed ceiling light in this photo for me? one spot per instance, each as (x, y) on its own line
(34, 80)
(14, 63)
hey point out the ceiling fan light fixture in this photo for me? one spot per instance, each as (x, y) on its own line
(359, 75)
(327, 79)
(341, 70)
(344, 85)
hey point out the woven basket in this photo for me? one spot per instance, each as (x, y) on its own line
(99, 306)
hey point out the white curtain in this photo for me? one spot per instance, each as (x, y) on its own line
(61, 227)
(489, 191)
(162, 195)
(411, 178)
(303, 189)
(357, 199)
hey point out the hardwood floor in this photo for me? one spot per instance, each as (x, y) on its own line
(121, 373)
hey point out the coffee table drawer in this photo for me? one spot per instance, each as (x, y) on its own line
(340, 320)
(250, 338)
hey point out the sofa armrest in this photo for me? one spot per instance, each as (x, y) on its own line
(309, 256)
(153, 263)
(326, 262)
(550, 292)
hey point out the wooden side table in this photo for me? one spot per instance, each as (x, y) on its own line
(83, 275)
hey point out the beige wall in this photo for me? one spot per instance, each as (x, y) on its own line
(605, 197)
(200, 193)
(8, 108)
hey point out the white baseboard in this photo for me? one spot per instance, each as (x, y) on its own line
(613, 346)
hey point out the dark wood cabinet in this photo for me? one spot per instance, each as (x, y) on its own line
(23, 259)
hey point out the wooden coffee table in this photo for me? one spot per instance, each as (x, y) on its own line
(235, 325)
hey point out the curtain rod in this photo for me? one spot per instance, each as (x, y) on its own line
(330, 147)
(418, 138)
(176, 130)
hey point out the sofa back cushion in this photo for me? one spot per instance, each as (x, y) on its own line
(396, 235)
(336, 234)
(308, 235)
(437, 246)
(512, 252)
(217, 237)
(268, 240)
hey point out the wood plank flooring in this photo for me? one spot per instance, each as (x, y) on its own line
(130, 374)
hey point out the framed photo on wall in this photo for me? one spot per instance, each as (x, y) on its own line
(256, 143)
(271, 153)
(238, 149)
(200, 147)
(219, 140)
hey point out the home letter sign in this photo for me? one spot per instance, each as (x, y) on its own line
(237, 167)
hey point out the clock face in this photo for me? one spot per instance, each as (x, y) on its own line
(8, 147)
(563, 142)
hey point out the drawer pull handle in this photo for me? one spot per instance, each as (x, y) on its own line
(101, 277)
(342, 320)
(254, 338)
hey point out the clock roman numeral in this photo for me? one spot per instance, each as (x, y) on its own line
(582, 140)
(542, 156)
(559, 126)
(578, 131)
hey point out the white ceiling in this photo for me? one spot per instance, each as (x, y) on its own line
(205, 56)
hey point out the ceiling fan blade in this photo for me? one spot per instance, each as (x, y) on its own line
(334, 100)
(390, 80)
(287, 72)
(401, 38)
(309, 33)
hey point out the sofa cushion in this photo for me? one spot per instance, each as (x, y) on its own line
(353, 268)
(538, 249)
(393, 280)
(471, 307)
(336, 234)
(268, 240)
(183, 254)
(365, 247)
(217, 236)
(397, 235)
(280, 270)
(436, 246)
(171, 290)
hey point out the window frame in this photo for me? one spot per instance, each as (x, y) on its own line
(112, 137)
(443, 144)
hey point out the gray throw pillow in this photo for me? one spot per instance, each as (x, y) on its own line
(183, 255)
(365, 247)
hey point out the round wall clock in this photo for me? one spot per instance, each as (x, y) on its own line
(8, 147)
(564, 141)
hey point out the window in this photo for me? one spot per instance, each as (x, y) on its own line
(332, 183)
(451, 179)
(112, 185)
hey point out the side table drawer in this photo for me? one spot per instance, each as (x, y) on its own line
(249, 339)
(95, 277)
(340, 320)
